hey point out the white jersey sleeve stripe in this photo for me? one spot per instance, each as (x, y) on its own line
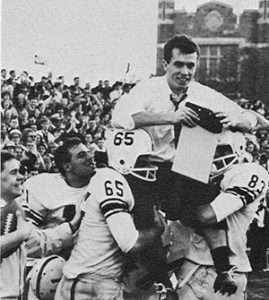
(246, 195)
(113, 206)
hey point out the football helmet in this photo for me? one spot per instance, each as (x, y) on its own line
(230, 150)
(129, 152)
(45, 276)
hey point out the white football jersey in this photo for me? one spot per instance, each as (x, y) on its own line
(243, 187)
(48, 196)
(97, 249)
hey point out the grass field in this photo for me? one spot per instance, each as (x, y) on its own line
(258, 286)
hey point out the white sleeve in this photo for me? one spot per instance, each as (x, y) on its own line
(225, 204)
(123, 230)
(49, 241)
(36, 212)
(130, 104)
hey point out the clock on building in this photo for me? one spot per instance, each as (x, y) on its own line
(213, 20)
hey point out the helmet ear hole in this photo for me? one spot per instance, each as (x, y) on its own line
(122, 162)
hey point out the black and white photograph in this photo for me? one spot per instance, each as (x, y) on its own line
(134, 150)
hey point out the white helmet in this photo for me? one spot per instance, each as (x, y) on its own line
(230, 150)
(129, 152)
(45, 276)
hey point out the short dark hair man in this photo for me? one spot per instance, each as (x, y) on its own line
(13, 250)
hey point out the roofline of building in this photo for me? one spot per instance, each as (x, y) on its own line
(213, 1)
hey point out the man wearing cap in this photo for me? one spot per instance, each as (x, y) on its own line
(10, 147)
(15, 136)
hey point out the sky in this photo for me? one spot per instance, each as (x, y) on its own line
(93, 39)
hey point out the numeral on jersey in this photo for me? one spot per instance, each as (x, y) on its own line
(125, 137)
(114, 188)
(253, 182)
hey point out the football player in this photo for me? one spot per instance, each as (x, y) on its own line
(148, 274)
(14, 229)
(107, 231)
(51, 202)
(242, 186)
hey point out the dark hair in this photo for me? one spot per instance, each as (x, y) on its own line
(6, 156)
(62, 153)
(182, 42)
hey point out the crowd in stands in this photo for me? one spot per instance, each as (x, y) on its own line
(37, 116)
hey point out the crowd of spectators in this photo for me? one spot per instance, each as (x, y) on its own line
(37, 116)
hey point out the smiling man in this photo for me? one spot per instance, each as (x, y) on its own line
(51, 199)
(52, 203)
(13, 234)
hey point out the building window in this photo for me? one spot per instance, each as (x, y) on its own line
(210, 61)
(215, 62)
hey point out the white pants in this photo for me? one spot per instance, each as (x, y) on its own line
(86, 287)
(200, 285)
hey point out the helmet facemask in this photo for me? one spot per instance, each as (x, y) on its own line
(230, 150)
(143, 169)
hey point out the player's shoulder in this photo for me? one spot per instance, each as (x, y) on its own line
(243, 173)
(108, 183)
(103, 174)
(43, 180)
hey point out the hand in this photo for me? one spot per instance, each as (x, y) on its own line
(186, 116)
(23, 227)
(227, 119)
(224, 283)
(75, 222)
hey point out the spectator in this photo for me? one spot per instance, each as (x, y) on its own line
(107, 89)
(9, 146)
(15, 136)
(116, 92)
(98, 88)
(44, 132)
(100, 153)
(12, 77)
(75, 89)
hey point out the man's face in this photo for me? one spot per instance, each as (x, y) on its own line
(180, 70)
(3, 73)
(82, 163)
(30, 146)
(14, 123)
(15, 138)
(33, 103)
(11, 180)
(45, 126)
(18, 153)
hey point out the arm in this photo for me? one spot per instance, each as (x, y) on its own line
(244, 121)
(262, 122)
(183, 115)
(245, 188)
(128, 238)
(44, 242)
